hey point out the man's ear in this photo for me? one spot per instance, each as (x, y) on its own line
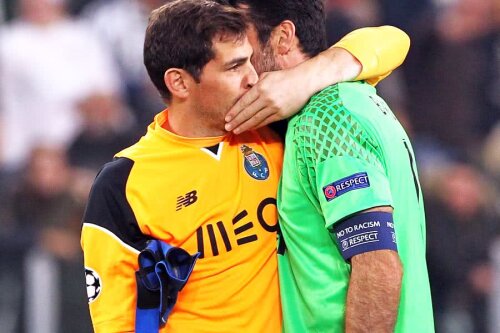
(178, 82)
(283, 37)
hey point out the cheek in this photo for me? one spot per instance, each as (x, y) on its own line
(229, 89)
(220, 94)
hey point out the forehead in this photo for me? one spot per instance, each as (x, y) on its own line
(228, 48)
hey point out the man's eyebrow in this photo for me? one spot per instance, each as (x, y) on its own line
(236, 61)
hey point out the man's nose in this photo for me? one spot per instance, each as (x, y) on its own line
(252, 77)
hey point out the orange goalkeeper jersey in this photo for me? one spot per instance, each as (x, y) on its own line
(216, 196)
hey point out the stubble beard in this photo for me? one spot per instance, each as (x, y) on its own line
(214, 119)
(265, 60)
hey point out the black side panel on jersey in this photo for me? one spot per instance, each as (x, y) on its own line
(108, 206)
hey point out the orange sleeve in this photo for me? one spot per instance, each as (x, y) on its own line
(111, 241)
(113, 309)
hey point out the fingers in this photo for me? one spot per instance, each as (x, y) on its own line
(271, 119)
(258, 107)
(244, 114)
(244, 102)
(252, 115)
(261, 118)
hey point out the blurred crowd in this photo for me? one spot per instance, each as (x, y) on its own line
(73, 91)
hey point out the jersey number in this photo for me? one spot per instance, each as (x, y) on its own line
(382, 106)
(412, 159)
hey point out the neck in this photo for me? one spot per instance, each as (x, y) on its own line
(184, 122)
(293, 58)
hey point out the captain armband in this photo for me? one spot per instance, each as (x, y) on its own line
(365, 232)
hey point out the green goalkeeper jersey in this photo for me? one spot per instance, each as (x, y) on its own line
(346, 152)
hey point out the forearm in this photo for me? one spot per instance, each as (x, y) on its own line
(364, 54)
(280, 94)
(374, 292)
(331, 66)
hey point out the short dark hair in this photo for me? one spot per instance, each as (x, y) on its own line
(180, 35)
(307, 15)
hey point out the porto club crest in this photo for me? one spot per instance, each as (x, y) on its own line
(255, 164)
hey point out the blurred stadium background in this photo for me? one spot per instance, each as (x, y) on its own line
(73, 92)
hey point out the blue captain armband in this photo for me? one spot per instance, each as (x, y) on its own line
(163, 271)
(365, 232)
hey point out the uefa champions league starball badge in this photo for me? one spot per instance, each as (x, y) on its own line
(94, 284)
(255, 164)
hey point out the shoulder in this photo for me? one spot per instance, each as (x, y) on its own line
(336, 122)
(339, 105)
(108, 208)
(326, 99)
(107, 196)
(150, 144)
(336, 94)
(113, 175)
(323, 108)
(332, 98)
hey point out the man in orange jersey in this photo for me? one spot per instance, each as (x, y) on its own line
(191, 184)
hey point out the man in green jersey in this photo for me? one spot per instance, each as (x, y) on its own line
(351, 208)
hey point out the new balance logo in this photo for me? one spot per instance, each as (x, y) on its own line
(186, 200)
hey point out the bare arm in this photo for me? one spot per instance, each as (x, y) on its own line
(374, 290)
(278, 95)
(367, 53)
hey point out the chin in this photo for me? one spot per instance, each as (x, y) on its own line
(218, 122)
